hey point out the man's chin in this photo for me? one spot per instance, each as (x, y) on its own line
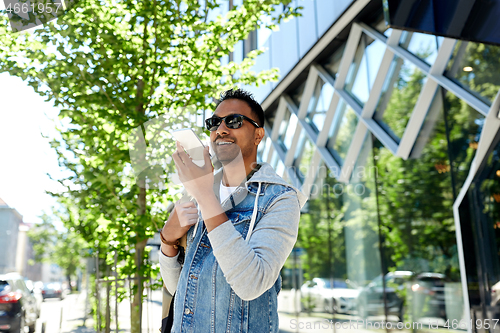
(227, 158)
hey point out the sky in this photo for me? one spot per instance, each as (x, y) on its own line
(25, 156)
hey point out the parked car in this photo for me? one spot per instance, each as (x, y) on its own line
(53, 290)
(428, 295)
(370, 301)
(17, 304)
(36, 289)
(323, 295)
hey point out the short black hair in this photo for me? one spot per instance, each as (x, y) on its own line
(244, 96)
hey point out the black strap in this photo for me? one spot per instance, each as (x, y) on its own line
(168, 321)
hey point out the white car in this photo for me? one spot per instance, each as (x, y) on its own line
(329, 295)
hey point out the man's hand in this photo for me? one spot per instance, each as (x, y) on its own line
(198, 181)
(182, 218)
(187, 213)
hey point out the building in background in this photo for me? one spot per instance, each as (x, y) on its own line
(10, 220)
(17, 252)
(394, 135)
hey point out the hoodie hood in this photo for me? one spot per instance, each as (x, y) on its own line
(267, 175)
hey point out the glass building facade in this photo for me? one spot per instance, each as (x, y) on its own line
(393, 135)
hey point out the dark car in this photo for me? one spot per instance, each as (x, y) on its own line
(52, 290)
(18, 307)
(370, 301)
(427, 294)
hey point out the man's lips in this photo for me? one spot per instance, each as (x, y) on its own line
(223, 142)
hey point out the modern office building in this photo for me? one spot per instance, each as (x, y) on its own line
(394, 136)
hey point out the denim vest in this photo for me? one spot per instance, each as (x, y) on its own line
(204, 301)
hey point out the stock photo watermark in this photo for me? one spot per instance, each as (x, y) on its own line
(27, 14)
(454, 324)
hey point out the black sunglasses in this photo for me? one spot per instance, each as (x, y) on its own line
(233, 121)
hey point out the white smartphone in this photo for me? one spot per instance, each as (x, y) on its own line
(191, 143)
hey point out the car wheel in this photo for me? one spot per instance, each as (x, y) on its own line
(326, 306)
(22, 324)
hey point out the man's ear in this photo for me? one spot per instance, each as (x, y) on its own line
(259, 135)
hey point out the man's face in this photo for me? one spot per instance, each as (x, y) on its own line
(226, 142)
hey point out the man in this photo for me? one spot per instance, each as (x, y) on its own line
(246, 223)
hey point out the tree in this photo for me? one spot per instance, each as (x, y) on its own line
(112, 66)
(63, 248)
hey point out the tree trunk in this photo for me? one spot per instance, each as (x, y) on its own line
(69, 282)
(136, 304)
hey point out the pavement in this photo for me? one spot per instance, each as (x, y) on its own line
(69, 316)
(73, 317)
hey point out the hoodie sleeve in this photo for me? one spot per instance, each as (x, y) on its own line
(170, 270)
(252, 268)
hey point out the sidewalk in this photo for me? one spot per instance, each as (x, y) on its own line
(75, 321)
(73, 317)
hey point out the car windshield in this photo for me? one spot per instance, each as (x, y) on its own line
(3, 285)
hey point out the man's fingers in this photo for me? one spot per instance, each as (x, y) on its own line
(188, 204)
(181, 153)
(177, 160)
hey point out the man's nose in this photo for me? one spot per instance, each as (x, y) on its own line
(222, 129)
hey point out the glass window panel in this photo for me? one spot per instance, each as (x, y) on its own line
(307, 26)
(327, 12)
(290, 131)
(296, 94)
(262, 62)
(400, 93)
(284, 47)
(280, 168)
(332, 63)
(274, 160)
(410, 202)
(267, 148)
(475, 66)
(342, 131)
(238, 52)
(364, 68)
(284, 125)
(318, 104)
(261, 149)
(303, 157)
(270, 114)
(424, 46)
(415, 200)
(480, 224)
(322, 235)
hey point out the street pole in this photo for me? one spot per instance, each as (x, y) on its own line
(116, 292)
(97, 294)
